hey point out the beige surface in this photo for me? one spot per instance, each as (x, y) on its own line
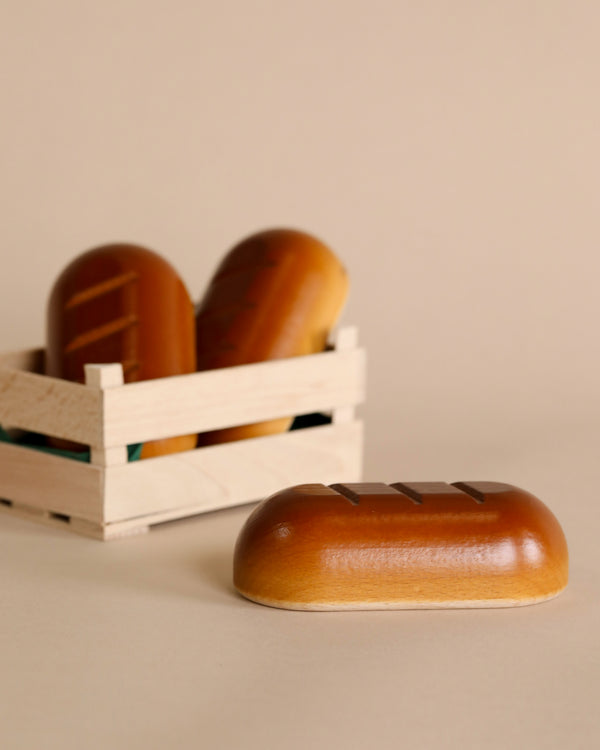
(142, 643)
(449, 153)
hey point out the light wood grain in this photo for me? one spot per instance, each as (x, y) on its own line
(52, 483)
(110, 498)
(105, 376)
(135, 527)
(225, 475)
(345, 339)
(140, 495)
(138, 412)
(50, 406)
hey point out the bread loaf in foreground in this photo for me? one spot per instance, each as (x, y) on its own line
(122, 303)
(276, 294)
(400, 546)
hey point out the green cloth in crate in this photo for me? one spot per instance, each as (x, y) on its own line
(35, 441)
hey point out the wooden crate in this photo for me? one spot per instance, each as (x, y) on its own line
(110, 497)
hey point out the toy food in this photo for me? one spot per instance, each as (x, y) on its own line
(398, 546)
(122, 303)
(276, 294)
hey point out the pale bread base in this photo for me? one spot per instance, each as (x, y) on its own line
(402, 604)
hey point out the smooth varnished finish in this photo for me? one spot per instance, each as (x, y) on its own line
(400, 546)
(276, 294)
(122, 303)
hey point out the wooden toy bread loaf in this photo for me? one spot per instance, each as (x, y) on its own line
(276, 294)
(122, 303)
(400, 546)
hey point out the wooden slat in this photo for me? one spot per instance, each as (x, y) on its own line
(226, 475)
(151, 491)
(233, 396)
(345, 339)
(50, 406)
(106, 376)
(52, 483)
(116, 500)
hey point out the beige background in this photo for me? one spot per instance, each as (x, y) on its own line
(449, 153)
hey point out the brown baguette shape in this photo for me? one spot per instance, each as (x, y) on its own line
(122, 303)
(276, 294)
(400, 546)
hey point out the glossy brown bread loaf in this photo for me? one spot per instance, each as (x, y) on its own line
(276, 294)
(122, 303)
(400, 546)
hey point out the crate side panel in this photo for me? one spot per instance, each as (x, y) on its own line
(233, 396)
(50, 406)
(226, 475)
(51, 483)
